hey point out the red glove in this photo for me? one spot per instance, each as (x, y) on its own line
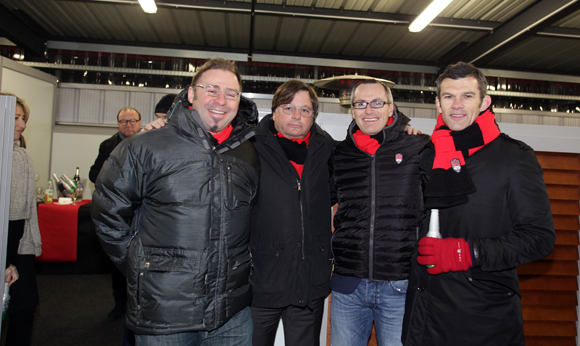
(445, 255)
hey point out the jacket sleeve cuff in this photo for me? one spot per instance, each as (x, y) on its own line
(474, 249)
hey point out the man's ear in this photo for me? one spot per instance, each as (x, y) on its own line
(190, 94)
(485, 103)
(438, 105)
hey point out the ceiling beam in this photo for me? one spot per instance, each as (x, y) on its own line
(21, 34)
(526, 24)
(316, 12)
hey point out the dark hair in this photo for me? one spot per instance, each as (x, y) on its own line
(463, 70)
(165, 104)
(286, 92)
(26, 110)
(372, 81)
(217, 64)
(129, 109)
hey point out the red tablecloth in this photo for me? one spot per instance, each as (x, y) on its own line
(58, 229)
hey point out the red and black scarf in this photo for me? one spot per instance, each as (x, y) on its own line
(295, 149)
(449, 182)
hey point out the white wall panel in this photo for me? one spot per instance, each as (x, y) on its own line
(91, 103)
(38, 90)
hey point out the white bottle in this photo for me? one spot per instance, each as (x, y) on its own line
(434, 225)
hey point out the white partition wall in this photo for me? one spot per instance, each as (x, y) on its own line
(38, 89)
(7, 111)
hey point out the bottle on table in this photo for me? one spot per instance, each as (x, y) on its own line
(77, 177)
(69, 181)
(64, 190)
(48, 192)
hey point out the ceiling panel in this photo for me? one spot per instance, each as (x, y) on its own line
(365, 34)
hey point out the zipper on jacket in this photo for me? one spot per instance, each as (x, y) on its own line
(301, 215)
(372, 225)
(230, 187)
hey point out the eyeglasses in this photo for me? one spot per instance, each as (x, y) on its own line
(291, 109)
(132, 122)
(373, 104)
(215, 91)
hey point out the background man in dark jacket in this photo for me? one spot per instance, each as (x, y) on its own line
(380, 209)
(493, 215)
(172, 209)
(290, 233)
(129, 121)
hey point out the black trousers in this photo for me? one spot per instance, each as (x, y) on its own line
(301, 325)
(23, 293)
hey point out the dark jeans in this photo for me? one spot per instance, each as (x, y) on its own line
(236, 332)
(301, 325)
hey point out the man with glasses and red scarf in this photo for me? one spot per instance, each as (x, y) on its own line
(291, 230)
(486, 195)
(172, 210)
(380, 209)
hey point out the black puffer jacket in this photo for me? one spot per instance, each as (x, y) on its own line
(174, 211)
(291, 229)
(380, 205)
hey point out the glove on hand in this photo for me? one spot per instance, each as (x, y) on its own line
(447, 254)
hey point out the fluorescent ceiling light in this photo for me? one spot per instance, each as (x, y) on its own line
(148, 6)
(428, 15)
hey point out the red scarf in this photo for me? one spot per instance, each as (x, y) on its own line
(365, 142)
(448, 187)
(225, 134)
(450, 144)
(299, 167)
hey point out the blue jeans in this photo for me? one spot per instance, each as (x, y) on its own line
(236, 332)
(352, 315)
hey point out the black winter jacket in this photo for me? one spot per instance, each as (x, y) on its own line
(105, 150)
(291, 228)
(510, 219)
(174, 211)
(380, 204)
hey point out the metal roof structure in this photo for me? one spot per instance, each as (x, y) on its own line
(518, 35)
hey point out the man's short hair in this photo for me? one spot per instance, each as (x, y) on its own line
(128, 109)
(286, 92)
(217, 64)
(165, 103)
(463, 70)
(372, 81)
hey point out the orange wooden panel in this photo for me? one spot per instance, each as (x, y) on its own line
(560, 207)
(546, 267)
(537, 297)
(564, 253)
(550, 341)
(565, 192)
(558, 160)
(566, 222)
(561, 177)
(549, 328)
(565, 237)
(549, 313)
(544, 282)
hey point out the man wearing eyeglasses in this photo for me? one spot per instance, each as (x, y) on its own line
(378, 190)
(291, 230)
(172, 210)
(129, 122)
